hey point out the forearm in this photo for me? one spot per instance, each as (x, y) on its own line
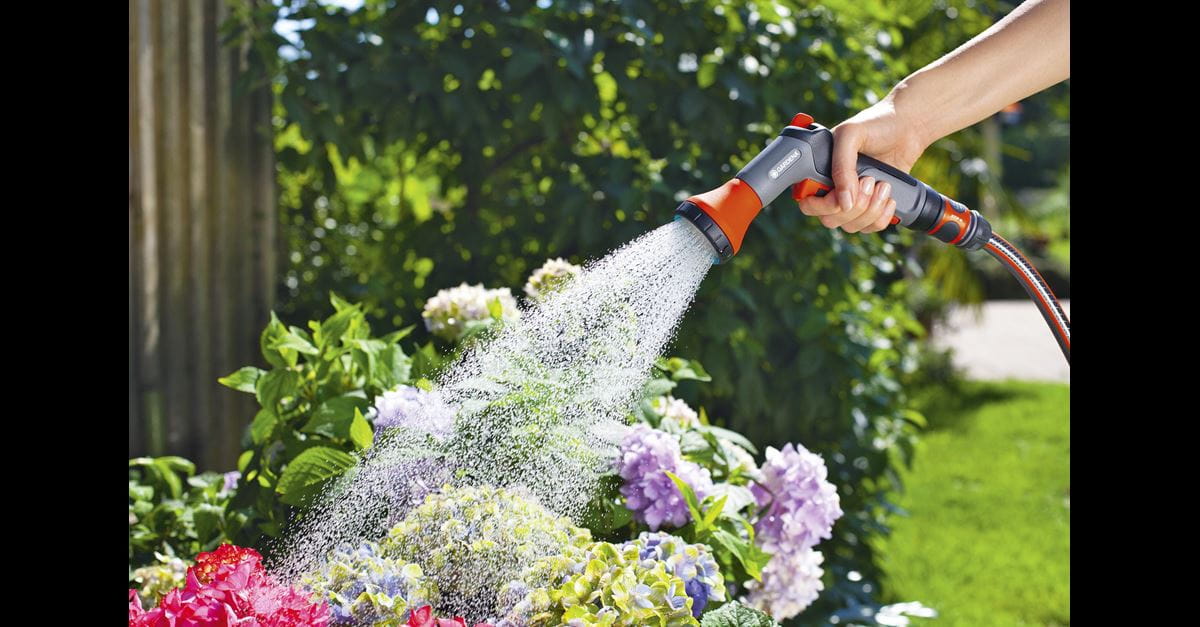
(1025, 52)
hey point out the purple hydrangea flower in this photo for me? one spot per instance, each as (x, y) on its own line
(411, 407)
(649, 493)
(790, 583)
(801, 503)
(231, 480)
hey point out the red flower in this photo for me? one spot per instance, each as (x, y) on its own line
(207, 563)
(236, 591)
(423, 617)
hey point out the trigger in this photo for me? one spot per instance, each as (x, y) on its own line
(809, 187)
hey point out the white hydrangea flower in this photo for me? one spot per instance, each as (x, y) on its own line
(791, 581)
(454, 311)
(553, 275)
(675, 410)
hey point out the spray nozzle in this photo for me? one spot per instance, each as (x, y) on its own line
(722, 215)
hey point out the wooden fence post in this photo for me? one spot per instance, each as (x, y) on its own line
(203, 233)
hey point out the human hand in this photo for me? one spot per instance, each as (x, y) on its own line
(865, 205)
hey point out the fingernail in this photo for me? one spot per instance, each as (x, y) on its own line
(845, 201)
(868, 184)
(887, 189)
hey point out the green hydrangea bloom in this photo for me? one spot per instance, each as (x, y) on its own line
(156, 580)
(607, 585)
(366, 588)
(472, 541)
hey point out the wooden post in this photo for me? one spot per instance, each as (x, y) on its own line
(203, 236)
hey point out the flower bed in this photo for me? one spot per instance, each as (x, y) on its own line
(685, 527)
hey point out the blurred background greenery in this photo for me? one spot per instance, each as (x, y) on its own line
(420, 145)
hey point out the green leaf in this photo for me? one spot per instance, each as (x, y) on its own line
(360, 431)
(242, 380)
(732, 436)
(751, 557)
(294, 342)
(176, 463)
(658, 387)
(682, 369)
(167, 476)
(338, 302)
(366, 354)
(394, 367)
(262, 426)
(495, 308)
(734, 614)
(739, 496)
(688, 495)
(140, 492)
(396, 336)
(207, 519)
(711, 514)
(706, 75)
(274, 331)
(309, 471)
(334, 417)
(337, 325)
(915, 417)
(693, 444)
(276, 385)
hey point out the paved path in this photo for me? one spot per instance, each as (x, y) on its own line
(1005, 339)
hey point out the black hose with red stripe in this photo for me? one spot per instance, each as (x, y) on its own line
(1018, 266)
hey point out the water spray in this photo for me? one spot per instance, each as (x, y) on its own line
(801, 159)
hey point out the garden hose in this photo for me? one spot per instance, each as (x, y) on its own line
(801, 158)
(1018, 266)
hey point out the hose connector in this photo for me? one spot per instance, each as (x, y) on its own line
(951, 221)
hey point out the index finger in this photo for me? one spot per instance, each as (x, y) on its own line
(845, 172)
(819, 205)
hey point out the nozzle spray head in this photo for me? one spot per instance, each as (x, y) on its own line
(722, 215)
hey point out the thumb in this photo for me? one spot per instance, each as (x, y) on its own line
(846, 142)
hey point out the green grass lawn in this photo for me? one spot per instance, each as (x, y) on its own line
(988, 541)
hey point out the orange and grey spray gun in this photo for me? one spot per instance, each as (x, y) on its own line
(801, 159)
